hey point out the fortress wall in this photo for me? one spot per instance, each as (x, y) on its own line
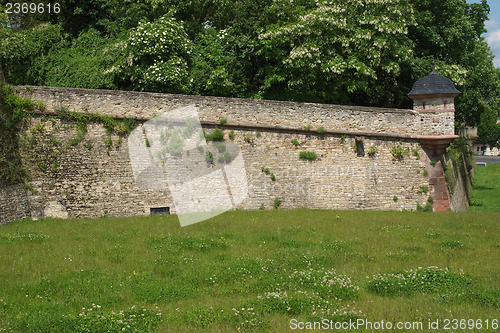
(339, 179)
(246, 111)
(93, 179)
(14, 203)
(86, 180)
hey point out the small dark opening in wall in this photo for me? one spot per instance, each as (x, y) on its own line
(159, 210)
(360, 148)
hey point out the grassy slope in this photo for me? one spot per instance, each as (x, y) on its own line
(196, 275)
(486, 190)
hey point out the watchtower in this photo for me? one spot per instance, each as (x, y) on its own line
(434, 99)
(434, 93)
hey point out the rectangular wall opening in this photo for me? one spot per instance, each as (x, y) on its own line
(159, 210)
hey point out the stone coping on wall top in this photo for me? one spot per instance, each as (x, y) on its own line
(426, 138)
(196, 99)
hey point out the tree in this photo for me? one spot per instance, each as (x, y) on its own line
(19, 50)
(87, 63)
(488, 130)
(157, 57)
(338, 51)
(482, 85)
(78, 16)
(361, 52)
(449, 31)
(211, 72)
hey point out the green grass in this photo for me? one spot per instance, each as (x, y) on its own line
(247, 270)
(486, 188)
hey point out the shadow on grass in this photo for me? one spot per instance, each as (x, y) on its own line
(482, 188)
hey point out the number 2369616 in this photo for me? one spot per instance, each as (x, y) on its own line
(32, 8)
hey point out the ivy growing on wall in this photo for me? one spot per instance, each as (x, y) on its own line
(14, 115)
(122, 127)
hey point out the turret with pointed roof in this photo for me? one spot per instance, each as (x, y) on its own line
(434, 93)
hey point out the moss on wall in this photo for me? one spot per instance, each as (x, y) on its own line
(458, 167)
(14, 115)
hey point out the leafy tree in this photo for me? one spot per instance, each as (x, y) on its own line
(157, 57)
(78, 16)
(447, 29)
(88, 63)
(18, 50)
(4, 18)
(239, 22)
(337, 50)
(482, 85)
(210, 73)
(198, 14)
(488, 130)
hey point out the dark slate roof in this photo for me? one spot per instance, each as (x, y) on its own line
(433, 84)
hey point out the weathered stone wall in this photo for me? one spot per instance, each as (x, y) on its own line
(245, 111)
(339, 179)
(459, 181)
(89, 179)
(14, 203)
(94, 177)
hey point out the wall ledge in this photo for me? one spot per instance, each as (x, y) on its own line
(203, 99)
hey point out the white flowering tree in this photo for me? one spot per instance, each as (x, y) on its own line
(338, 47)
(158, 55)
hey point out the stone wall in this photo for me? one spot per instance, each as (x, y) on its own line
(459, 181)
(94, 177)
(89, 179)
(14, 203)
(244, 111)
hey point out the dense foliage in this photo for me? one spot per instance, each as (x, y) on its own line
(360, 52)
(13, 115)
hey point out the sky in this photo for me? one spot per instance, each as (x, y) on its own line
(493, 26)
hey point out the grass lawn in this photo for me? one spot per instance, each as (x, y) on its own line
(252, 271)
(486, 189)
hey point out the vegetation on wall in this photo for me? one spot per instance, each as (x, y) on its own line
(277, 203)
(460, 162)
(399, 152)
(14, 115)
(215, 135)
(119, 126)
(372, 151)
(427, 207)
(308, 155)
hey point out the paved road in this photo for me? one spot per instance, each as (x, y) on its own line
(488, 159)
